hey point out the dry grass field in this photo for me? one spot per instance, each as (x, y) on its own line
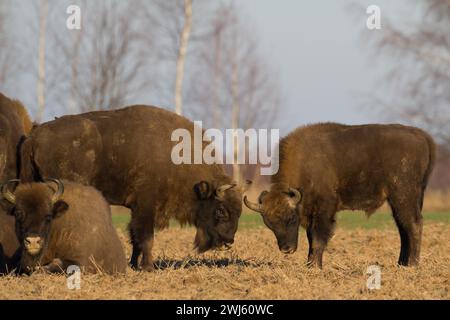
(255, 269)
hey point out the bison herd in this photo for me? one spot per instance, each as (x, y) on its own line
(59, 178)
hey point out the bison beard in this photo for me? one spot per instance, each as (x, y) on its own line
(339, 167)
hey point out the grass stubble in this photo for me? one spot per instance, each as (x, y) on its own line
(255, 269)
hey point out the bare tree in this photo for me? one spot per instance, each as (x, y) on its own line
(420, 75)
(233, 79)
(179, 31)
(6, 60)
(107, 57)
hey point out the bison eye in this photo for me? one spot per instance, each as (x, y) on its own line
(221, 214)
(18, 214)
(292, 220)
(48, 218)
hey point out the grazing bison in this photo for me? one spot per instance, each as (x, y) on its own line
(326, 168)
(60, 224)
(14, 125)
(126, 154)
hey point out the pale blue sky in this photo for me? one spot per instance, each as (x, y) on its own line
(320, 50)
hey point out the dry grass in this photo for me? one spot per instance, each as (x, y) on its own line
(437, 200)
(255, 269)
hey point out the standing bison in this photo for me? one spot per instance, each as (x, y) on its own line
(326, 168)
(14, 125)
(126, 154)
(61, 224)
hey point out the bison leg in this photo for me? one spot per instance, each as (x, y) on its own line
(319, 233)
(142, 233)
(136, 249)
(408, 218)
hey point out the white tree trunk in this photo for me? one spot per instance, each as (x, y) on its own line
(235, 108)
(184, 39)
(217, 71)
(43, 12)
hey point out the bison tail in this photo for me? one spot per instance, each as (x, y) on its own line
(432, 152)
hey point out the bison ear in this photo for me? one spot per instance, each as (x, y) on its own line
(203, 190)
(295, 196)
(59, 208)
(261, 196)
(7, 207)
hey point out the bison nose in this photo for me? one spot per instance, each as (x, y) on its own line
(33, 244)
(287, 249)
(230, 241)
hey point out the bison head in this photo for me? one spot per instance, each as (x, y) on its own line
(34, 206)
(278, 209)
(217, 217)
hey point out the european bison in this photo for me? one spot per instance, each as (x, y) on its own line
(126, 154)
(326, 168)
(14, 125)
(62, 223)
(9, 245)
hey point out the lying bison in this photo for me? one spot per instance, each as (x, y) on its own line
(14, 125)
(326, 168)
(126, 154)
(9, 244)
(59, 225)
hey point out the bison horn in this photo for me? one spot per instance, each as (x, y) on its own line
(59, 191)
(220, 192)
(8, 195)
(253, 206)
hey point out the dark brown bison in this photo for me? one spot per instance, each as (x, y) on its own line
(326, 168)
(126, 154)
(59, 224)
(9, 244)
(14, 125)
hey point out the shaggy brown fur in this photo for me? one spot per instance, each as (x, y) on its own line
(126, 154)
(8, 243)
(75, 230)
(337, 167)
(14, 125)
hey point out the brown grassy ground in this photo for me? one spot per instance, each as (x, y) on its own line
(255, 269)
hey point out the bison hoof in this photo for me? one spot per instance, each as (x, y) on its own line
(413, 263)
(148, 267)
(314, 265)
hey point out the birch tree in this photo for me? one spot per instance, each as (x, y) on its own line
(233, 86)
(43, 14)
(181, 60)
(5, 54)
(107, 58)
(420, 73)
